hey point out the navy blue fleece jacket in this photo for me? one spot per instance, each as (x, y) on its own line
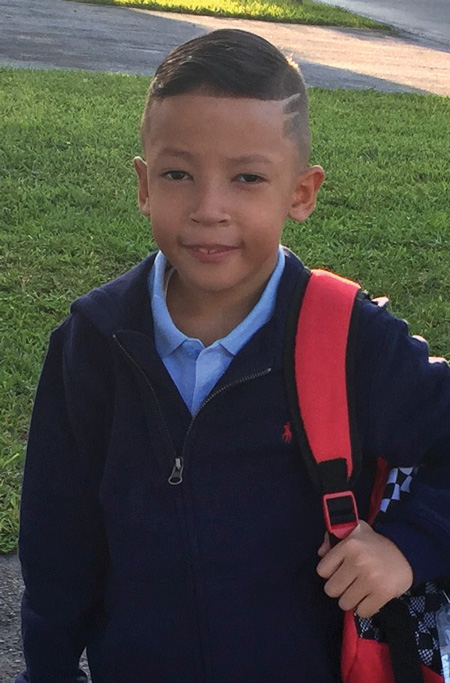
(211, 577)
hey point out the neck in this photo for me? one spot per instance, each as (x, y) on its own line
(208, 316)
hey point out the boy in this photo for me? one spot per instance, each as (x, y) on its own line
(166, 523)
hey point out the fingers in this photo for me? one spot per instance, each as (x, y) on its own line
(350, 590)
(368, 607)
(355, 571)
(331, 560)
(341, 581)
(353, 595)
(325, 547)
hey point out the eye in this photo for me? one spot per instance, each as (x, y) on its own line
(249, 178)
(175, 174)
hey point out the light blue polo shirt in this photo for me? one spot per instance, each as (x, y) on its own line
(194, 368)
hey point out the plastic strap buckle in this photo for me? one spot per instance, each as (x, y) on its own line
(340, 513)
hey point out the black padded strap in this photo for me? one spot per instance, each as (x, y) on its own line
(398, 628)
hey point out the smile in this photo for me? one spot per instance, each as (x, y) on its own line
(213, 253)
(212, 250)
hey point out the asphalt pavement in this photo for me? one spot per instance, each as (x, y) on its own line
(429, 19)
(60, 34)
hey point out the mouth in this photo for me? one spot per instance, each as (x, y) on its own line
(210, 253)
(216, 249)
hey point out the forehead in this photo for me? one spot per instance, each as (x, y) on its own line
(238, 126)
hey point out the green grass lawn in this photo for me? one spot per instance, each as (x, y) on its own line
(69, 218)
(286, 11)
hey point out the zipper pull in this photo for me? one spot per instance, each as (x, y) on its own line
(176, 476)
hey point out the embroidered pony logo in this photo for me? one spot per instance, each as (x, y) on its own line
(287, 433)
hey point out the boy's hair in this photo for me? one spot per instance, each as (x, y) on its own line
(234, 63)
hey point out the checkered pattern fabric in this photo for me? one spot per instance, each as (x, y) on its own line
(422, 602)
(397, 485)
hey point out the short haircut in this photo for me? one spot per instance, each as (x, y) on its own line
(234, 63)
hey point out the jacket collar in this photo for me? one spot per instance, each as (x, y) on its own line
(122, 308)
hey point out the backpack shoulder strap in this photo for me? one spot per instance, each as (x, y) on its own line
(319, 365)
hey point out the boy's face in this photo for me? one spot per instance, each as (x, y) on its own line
(220, 178)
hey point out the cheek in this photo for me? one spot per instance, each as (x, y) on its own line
(169, 198)
(163, 206)
(270, 211)
(160, 230)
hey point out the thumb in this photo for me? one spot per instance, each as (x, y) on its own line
(325, 547)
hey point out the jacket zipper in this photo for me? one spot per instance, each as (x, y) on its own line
(176, 475)
(163, 421)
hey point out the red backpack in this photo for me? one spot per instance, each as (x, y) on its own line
(400, 644)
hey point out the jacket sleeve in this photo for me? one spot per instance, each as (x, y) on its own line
(404, 414)
(62, 544)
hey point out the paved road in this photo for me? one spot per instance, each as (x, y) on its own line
(429, 19)
(61, 34)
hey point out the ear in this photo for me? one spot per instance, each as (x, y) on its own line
(143, 196)
(305, 193)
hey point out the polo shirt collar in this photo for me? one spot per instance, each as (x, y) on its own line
(169, 338)
(260, 313)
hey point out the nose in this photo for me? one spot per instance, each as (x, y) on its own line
(209, 205)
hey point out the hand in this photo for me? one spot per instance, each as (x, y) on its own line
(364, 571)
